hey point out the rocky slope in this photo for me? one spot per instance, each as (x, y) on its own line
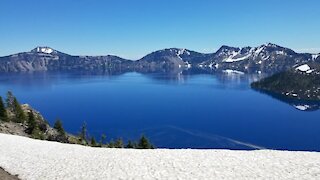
(268, 58)
(21, 129)
(173, 57)
(301, 82)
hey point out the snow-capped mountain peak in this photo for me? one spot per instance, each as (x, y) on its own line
(271, 45)
(46, 50)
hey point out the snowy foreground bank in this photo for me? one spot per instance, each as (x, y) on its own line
(35, 159)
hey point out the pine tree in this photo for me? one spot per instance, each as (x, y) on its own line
(61, 137)
(14, 106)
(93, 142)
(3, 111)
(118, 143)
(9, 100)
(37, 134)
(20, 116)
(144, 143)
(111, 144)
(130, 145)
(59, 127)
(83, 133)
(103, 139)
(31, 123)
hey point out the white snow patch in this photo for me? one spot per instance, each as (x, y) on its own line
(303, 68)
(280, 53)
(265, 58)
(231, 71)
(232, 59)
(213, 65)
(302, 107)
(259, 50)
(187, 52)
(36, 159)
(310, 71)
(181, 52)
(188, 65)
(46, 50)
(315, 56)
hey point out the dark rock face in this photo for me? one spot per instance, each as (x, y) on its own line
(267, 58)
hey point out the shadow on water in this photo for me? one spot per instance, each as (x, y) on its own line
(302, 105)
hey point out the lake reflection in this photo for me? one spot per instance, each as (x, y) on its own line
(176, 110)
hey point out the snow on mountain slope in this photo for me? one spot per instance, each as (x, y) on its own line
(304, 68)
(233, 59)
(315, 56)
(262, 51)
(36, 159)
(302, 107)
(46, 50)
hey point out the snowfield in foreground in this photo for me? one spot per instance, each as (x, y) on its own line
(35, 159)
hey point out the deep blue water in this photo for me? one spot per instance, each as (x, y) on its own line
(174, 111)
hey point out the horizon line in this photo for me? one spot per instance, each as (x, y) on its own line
(300, 51)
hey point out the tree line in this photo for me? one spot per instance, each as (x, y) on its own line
(12, 111)
(85, 139)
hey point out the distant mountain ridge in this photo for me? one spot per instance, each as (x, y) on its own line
(269, 58)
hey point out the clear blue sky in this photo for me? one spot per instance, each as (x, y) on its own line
(133, 28)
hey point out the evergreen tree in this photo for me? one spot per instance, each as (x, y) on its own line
(118, 143)
(9, 100)
(31, 123)
(111, 144)
(83, 133)
(59, 127)
(37, 134)
(3, 111)
(144, 143)
(130, 145)
(103, 139)
(14, 106)
(61, 137)
(20, 116)
(93, 142)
